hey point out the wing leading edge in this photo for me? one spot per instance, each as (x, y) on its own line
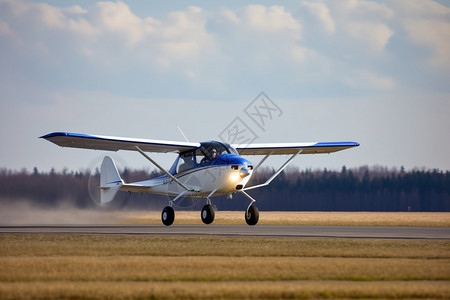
(98, 142)
(292, 148)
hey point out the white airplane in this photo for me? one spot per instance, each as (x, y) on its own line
(201, 170)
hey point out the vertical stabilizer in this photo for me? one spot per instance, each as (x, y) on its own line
(110, 181)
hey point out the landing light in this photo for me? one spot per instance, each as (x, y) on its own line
(244, 173)
(235, 176)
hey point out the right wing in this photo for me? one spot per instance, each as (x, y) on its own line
(292, 148)
(98, 142)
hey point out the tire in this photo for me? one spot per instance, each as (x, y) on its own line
(168, 216)
(252, 215)
(208, 214)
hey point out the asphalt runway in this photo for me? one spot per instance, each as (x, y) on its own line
(352, 232)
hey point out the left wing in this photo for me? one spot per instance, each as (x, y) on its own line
(99, 142)
(292, 148)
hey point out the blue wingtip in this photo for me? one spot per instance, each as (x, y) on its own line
(337, 144)
(53, 134)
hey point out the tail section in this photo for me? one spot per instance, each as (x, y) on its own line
(110, 181)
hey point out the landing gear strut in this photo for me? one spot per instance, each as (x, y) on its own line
(252, 212)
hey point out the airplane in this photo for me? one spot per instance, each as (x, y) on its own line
(201, 169)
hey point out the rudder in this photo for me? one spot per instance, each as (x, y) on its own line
(110, 181)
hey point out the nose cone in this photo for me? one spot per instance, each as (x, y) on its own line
(244, 172)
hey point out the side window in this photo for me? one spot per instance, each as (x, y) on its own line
(185, 162)
(200, 156)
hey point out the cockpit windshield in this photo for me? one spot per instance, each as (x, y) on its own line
(213, 149)
(206, 153)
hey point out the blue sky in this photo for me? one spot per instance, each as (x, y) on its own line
(374, 72)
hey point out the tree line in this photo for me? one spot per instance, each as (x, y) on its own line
(358, 189)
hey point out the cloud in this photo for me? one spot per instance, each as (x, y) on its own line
(184, 34)
(365, 9)
(374, 35)
(364, 22)
(230, 16)
(321, 11)
(427, 24)
(434, 35)
(117, 18)
(108, 46)
(273, 19)
(107, 42)
(368, 80)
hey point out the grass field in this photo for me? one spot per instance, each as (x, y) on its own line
(142, 267)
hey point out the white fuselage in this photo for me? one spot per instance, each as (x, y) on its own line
(202, 180)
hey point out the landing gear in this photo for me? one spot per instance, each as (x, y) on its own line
(252, 215)
(168, 215)
(208, 214)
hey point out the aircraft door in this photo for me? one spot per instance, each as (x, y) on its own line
(185, 162)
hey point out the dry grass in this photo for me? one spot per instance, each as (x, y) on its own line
(299, 218)
(227, 290)
(140, 267)
(18, 215)
(104, 246)
(213, 268)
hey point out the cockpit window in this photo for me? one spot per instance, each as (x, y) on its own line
(231, 149)
(206, 153)
(213, 149)
(186, 161)
(200, 156)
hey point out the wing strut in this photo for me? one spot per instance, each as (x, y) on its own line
(162, 169)
(262, 160)
(276, 173)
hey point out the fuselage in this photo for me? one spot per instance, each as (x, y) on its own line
(214, 167)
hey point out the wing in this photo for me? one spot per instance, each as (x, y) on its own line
(292, 148)
(98, 142)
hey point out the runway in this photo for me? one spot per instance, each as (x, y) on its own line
(352, 232)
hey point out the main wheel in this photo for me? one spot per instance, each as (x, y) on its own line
(168, 216)
(208, 214)
(252, 215)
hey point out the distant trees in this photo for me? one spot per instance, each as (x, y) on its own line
(360, 189)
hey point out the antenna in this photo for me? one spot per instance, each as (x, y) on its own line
(182, 133)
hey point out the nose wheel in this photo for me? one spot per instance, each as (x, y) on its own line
(208, 214)
(252, 215)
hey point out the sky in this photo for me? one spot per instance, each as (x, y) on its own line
(373, 72)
